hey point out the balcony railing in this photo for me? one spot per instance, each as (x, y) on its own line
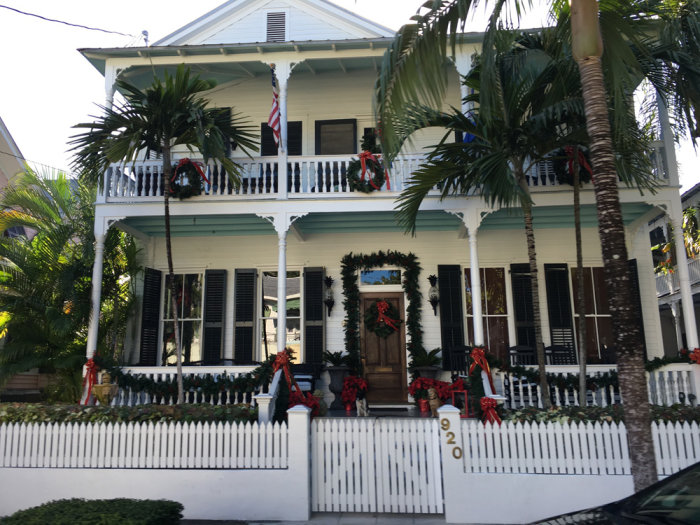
(667, 284)
(307, 177)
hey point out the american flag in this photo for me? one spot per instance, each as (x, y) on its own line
(274, 119)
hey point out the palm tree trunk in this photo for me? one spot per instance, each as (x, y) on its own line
(535, 287)
(167, 175)
(628, 343)
(580, 297)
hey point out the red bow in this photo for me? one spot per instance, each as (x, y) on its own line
(479, 359)
(581, 160)
(488, 405)
(90, 378)
(364, 157)
(383, 308)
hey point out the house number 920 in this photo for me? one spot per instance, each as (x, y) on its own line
(456, 451)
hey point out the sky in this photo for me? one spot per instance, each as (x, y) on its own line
(48, 86)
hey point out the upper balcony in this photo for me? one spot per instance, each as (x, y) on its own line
(308, 177)
(669, 284)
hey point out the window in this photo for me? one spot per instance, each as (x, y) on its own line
(268, 314)
(522, 304)
(599, 337)
(493, 307)
(380, 277)
(336, 137)
(189, 311)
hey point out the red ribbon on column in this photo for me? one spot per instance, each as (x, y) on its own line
(488, 406)
(90, 378)
(383, 308)
(296, 396)
(479, 359)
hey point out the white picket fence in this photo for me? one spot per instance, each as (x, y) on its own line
(144, 445)
(376, 465)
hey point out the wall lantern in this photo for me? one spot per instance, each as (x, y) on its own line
(328, 295)
(433, 293)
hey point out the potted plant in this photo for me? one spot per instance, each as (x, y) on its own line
(353, 386)
(424, 363)
(419, 390)
(338, 369)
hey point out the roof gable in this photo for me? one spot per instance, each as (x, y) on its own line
(245, 21)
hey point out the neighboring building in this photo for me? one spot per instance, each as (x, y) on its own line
(668, 285)
(295, 214)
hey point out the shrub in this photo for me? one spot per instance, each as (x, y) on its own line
(610, 414)
(189, 413)
(103, 511)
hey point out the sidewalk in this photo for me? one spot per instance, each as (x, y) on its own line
(325, 518)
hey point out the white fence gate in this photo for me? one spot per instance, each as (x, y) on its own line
(376, 465)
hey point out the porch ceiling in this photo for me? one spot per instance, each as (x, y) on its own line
(557, 216)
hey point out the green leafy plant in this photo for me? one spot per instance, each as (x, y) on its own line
(103, 511)
(421, 357)
(336, 358)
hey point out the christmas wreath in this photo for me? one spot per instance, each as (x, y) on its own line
(188, 179)
(382, 319)
(367, 173)
(563, 165)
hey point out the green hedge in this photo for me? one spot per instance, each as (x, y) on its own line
(609, 414)
(43, 413)
(101, 511)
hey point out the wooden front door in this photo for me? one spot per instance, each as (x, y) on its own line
(384, 358)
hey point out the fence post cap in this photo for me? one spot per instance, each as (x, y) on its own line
(448, 409)
(299, 409)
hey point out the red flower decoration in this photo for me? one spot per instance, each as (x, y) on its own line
(695, 355)
(351, 387)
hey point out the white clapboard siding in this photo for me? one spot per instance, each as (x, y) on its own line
(144, 445)
(375, 465)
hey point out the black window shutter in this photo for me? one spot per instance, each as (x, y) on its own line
(244, 316)
(451, 313)
(559, 305)
(150, 317)
(313, 315)
(214, 311)
(637, 298)
(268, 148)
(522, 304)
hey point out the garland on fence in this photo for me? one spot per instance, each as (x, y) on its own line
(350, 264)
(205, 388)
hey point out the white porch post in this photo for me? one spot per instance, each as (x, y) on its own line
(676, 313)
(100, 234)
(282, 291)
(282, 71)
(282, 221)
(691, 329)
(476, 289)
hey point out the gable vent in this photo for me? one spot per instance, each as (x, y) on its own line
(275, 27)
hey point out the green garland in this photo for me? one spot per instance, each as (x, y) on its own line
(350, 264)
(371, 183)
(194, 186)
(383, 330)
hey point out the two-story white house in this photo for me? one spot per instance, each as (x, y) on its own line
(295, 216)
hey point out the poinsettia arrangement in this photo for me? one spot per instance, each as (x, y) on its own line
(352, 386)
(693, 356)
(419, 388)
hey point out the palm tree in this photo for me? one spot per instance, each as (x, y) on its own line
(502, 148)
(655, 40)
(45, 276)
(166, 114)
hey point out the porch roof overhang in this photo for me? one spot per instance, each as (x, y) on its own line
(366, 222)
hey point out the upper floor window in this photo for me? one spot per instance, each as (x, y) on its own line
(276, 26)
(336, 137)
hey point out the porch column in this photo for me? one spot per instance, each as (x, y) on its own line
(110, 79)
(282, 291)
(691, 329)
(675, 312)
(96, 292)
(667, 138)
(476, 288)
(282, 71)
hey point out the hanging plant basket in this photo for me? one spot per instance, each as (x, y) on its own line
(188, 180)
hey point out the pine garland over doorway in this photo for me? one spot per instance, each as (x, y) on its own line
(350, 264)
